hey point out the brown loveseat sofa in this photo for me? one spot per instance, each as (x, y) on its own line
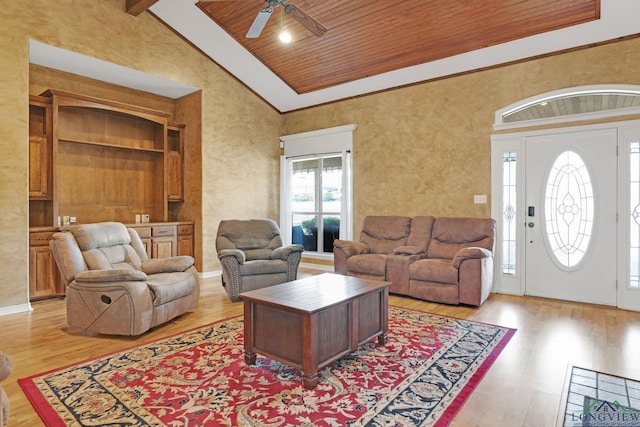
(112, 286)
(447, 260)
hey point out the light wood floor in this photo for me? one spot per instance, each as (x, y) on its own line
(523, 388)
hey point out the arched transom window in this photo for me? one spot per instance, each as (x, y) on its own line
(572, 104)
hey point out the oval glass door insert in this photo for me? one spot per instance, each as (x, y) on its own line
(569, 209)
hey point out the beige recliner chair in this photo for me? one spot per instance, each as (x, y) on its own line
(113, 287)
(253, 256)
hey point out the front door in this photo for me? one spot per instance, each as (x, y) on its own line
(571, 229)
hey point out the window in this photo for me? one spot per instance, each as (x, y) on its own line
(316, 188)
(634, 210)
(569, 209)
(509, 212)
(573, 104)
(316, 202)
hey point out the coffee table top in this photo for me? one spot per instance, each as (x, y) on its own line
(314, 293)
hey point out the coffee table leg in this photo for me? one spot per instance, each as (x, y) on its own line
(382, 338)
(249, 357)
(310, 381)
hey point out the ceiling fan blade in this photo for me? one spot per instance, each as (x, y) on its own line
(305, 20)
(258, 24)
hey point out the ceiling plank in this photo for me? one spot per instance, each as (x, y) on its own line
(136, 7)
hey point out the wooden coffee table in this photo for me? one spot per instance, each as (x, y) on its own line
(311, 322)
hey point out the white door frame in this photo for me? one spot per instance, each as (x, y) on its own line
(627, 131)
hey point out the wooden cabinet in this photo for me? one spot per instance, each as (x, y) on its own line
(44, 278)
(98, 160)
(160, 240)
(39, 148)
(185, 239)
(175, 155)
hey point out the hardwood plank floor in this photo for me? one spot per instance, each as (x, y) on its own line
(523, 388)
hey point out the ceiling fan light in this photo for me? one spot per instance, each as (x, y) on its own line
(285, 36)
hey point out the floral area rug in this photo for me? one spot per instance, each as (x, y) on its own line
(420, 377)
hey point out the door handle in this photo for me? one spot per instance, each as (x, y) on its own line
(530, 225)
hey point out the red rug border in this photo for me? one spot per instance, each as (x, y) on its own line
(51, 418)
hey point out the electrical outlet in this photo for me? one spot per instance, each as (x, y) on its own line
(72, 219)
(480, 198)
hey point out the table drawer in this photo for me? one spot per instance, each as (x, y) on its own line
(185, 229)
(163, 230)
(40, 238)
(143, 232)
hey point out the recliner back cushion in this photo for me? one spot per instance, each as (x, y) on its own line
(106, 246)
(257, 238)
(120, 257)
(421, 228)
(385, 233)
(452, 234)
(100, 235)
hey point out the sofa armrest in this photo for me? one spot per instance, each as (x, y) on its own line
(235, 253)
(167, 265)
(409, 250)
(351, 248)
(284, 251)
(98, 276)
(470, 253)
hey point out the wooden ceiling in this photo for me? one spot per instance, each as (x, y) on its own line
(367, 38)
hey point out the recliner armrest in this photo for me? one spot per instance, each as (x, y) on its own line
(94, 276)
(167, 265)
(284, 251)
(351, 248)
(236, 253)
(470, 253)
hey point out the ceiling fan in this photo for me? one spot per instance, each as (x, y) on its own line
(296, 13)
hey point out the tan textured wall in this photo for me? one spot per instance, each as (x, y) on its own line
(426, 149)
(239, 130)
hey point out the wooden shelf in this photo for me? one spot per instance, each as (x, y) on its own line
(102, 144)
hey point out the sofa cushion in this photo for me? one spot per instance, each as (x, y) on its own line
(250, 268)
(385, 233)
(167, 287)
(434, 270)
(452, 234)
(421, 228)
(100, 235)
(250, 234)
(370, 264)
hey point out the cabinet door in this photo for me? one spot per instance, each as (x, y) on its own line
(185, 245)
(38, 167)
(185, 239)
(147, 246)
(44, 277)
(164, 247)
(174, 176)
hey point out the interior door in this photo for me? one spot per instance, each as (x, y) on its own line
(571, 199)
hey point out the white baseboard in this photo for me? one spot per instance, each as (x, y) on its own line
(13, 309)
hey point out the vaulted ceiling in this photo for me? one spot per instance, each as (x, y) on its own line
(366, 38)
(376, 45)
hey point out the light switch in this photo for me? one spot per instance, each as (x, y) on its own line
(480, 198)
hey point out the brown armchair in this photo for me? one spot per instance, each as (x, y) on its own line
(113, 287)
(253, 256)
